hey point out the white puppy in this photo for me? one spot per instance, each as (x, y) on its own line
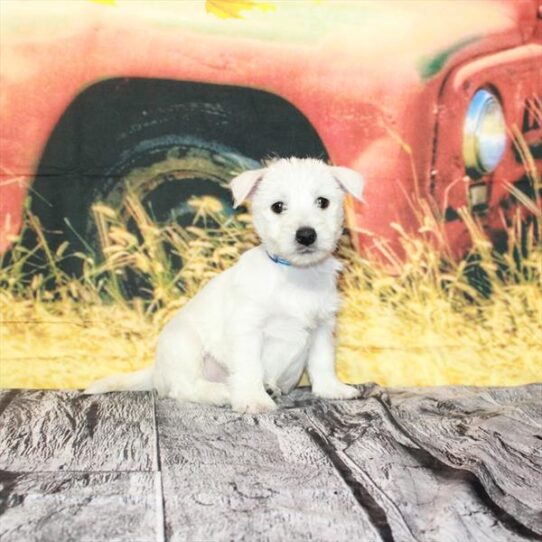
(259, 324)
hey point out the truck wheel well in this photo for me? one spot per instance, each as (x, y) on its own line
(85, 137)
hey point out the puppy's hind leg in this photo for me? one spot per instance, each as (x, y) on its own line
(179, 369)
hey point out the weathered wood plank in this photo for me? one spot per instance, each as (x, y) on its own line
(56, 506)
(440, 464)
(494, 434)
(233, 477)
(416, 497)
(54, 431)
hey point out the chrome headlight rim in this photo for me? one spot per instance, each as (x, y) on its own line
(482, 152)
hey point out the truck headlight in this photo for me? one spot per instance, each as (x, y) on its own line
(484, 134)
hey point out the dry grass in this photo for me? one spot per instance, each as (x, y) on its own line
(425, 326)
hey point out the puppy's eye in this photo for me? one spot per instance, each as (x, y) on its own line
(323, 203)
(277, 207)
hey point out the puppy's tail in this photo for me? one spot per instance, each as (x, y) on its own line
(138, 381)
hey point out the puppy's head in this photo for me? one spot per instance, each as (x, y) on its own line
(297, 206)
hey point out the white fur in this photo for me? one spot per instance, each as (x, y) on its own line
(259, 324)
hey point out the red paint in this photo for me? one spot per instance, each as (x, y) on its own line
(360, 105)
(514, 75)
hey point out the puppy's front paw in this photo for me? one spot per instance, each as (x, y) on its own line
(254, 405)
(335, 390)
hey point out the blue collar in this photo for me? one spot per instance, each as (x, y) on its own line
(278, 259)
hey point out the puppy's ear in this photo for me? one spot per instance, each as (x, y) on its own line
(350, 181)
(244, 185)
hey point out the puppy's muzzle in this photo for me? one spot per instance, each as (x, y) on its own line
(305, 236)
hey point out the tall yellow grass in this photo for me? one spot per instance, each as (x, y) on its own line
(426, 325)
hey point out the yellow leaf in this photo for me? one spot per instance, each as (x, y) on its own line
(231, 9)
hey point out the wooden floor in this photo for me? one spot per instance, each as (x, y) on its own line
(439, 464)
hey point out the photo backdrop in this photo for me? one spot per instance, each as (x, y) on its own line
(124, 120)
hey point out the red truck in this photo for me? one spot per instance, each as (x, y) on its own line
(169, 100)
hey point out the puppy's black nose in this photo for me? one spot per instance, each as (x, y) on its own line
(305, 236)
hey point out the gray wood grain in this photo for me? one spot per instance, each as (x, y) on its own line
(494, 434)
(415, 497)
(56, 506)
(233, 477)
(428, 465)
(54, 431)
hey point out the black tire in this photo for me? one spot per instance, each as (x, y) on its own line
(166, 156)
(164, 174)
